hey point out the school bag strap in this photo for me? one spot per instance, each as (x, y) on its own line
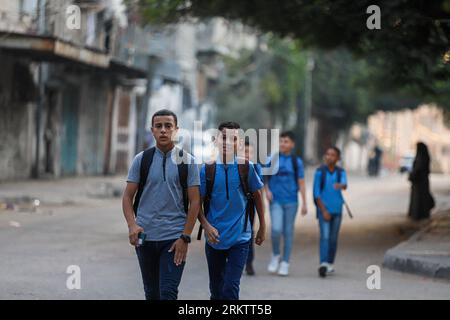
(243, 170)
(146, 162)
(183, 177)
(295, 167)
(210, 175)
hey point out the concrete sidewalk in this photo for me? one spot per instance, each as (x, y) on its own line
(27, 194)
(427, 252)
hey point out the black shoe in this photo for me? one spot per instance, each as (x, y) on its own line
(249, 269)
(322, 271)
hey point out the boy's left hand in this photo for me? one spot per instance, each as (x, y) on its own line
(339, 186)
(304, 210)
(260, 236)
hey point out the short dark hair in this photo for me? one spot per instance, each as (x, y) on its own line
(165, 112)
(288, 134)
(229, 125)
(338, 151)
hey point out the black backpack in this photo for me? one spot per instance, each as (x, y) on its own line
(323, 170)
(210, 174)
(146, 162)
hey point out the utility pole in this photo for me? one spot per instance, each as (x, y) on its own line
(310, 64)
(304, 110)
(41, 91)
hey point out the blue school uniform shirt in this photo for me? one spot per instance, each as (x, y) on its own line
(227, 208)
(283, 185)
(332, 198)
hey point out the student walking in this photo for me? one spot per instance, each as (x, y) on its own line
(282, 193)
(329, 181)
(249, 153)
(230, 188)
(164, 183)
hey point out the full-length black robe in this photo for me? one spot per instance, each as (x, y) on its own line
(421, 201)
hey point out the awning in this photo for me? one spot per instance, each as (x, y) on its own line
(48, 48)
(51, 49)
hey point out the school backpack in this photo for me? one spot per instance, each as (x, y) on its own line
(146, 162)
(323, 170)
(210, 174)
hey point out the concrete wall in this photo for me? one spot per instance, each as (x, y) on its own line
(16, 120)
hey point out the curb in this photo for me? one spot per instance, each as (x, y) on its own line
(399, 260)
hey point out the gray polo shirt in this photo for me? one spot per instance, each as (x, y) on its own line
(161, 210)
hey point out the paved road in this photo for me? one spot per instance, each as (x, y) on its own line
(37, 247)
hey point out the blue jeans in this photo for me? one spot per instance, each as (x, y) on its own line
(283, 224)
(160, 275)
(225, 270)
(329, 232)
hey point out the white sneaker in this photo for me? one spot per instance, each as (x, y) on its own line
(330, 268)
(284, 269)
(274, 264)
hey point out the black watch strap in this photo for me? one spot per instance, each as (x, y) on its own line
(185, 238)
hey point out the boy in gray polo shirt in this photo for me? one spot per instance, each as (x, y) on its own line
(161, 215)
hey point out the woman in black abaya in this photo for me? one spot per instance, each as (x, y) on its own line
(421, 201)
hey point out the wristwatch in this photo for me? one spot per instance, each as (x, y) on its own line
(185, 238)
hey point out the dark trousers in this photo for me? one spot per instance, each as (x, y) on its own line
(225, 270)
(160, 275)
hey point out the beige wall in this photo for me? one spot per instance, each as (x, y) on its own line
(398, 133)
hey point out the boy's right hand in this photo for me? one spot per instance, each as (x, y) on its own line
(326, 215)
(133, 233)
(211, 233)
(269, 196)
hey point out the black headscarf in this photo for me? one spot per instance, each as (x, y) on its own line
(422, 161)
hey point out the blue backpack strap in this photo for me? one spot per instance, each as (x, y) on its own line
(146, 162)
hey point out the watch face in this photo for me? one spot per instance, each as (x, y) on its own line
(186, 238)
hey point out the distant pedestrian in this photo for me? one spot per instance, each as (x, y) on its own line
(421, 201)
(249, 153)
(282, 193)
(329, 181)
(375, 162)
(230, 188)
(166, 205)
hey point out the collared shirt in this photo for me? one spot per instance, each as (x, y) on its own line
(332, 198)
(228, 203)
(284, 184)
(161, 210)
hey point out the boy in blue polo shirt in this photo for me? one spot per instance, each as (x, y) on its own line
(329, 181)
(226, 224)
(282, 193)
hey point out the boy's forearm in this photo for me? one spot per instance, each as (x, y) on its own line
(128, 212)
(260, 208)
(192, 216)
(302, 188)
(202, 217)
(321, 205)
